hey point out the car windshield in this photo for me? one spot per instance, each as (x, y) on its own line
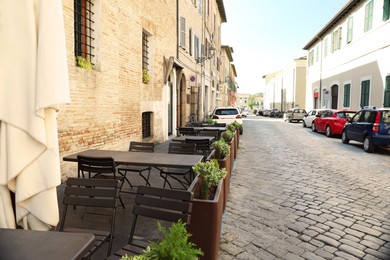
(345, 114)
(222, 112)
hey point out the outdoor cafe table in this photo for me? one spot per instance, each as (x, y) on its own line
(141, 158)
(29, 244)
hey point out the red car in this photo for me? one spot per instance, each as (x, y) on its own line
(331, 121)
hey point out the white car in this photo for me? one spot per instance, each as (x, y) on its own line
(227, 115)
(309, 117)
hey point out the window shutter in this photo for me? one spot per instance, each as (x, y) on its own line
(386, 10)
(182, 32)
(386, 102)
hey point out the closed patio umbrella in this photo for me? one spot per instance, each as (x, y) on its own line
(33, 82)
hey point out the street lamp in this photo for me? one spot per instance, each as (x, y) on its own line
(202, 59)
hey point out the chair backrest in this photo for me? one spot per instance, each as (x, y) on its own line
(181, 148)
(161, 204)
(100, 193)
(203, 146)
(95, 165)
(141, 147)
(187, 131)
(218, 125)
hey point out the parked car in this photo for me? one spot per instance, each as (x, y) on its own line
(266, 112)
(227, 115)
(309, 117)
(369, 126)
(275, 113)
(294, 114)
(331, 121)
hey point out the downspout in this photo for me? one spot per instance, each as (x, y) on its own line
(177, 29)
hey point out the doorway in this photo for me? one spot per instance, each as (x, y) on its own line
(335, 96)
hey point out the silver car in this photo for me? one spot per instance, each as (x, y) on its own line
(295, 114)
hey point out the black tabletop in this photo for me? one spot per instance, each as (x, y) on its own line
(29, 244)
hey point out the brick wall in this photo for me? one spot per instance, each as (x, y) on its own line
(107, 102)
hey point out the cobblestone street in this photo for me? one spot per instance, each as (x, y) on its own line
(296, 194)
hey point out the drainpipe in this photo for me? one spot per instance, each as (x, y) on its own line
(177, 29)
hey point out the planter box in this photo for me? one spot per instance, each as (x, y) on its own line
(206, 221)
(232, 153)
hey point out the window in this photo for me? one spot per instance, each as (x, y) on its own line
(182, 32)
(386, 102)
(350, 29)
(83, 22)
(336, 40)
(365, 93)
(347, 94)
(145, 51)
(196, 47)
(146, 124)
(368, 16)
(311, 58)
(326, 47)
(317, 52)
(386, 10)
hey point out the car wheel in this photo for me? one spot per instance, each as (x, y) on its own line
(304, 124)
(328, 131)
(344, 138)
(313, 127)
(367, 145)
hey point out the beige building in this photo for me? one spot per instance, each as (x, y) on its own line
(143, 67)
(226, 95)
(348, 59)
(286, 88)
(243, 100)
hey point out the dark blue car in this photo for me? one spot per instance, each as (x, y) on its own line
(369, 126)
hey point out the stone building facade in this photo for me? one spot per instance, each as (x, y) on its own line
(113, 103)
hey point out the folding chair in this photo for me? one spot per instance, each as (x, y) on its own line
(137, 147)
(98, 193)
(178, 174)
(99, 167)
(203, 146)
(158, 204)
(187, 131)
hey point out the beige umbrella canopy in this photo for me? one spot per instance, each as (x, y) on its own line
(33, 82)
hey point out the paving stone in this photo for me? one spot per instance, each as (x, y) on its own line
(351, 250)
(337, 232)
(375, 240)
(370, 244)
(354, 244)
(291, 256)
(231, 249)
(354, 232)
(298, 227)
(366, 230)
(328, 240)
(316, 218)
(377, 254)
(345, 255)
(312, 256)
(344, 222)
(330, 249)
(264, 255)
(324, 254)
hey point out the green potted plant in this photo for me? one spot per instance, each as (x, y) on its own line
(221, 152)
(174, 245)
(207, 207)
(228, 136)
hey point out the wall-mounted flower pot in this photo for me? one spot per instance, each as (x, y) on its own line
(206, 221)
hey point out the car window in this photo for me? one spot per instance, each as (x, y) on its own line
(386, 117)
(340, 114)
(356, 118)
(226, 112)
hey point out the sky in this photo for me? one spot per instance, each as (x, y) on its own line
(267, 35)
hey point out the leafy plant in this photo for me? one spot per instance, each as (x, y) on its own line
(173, 245)
(227, 135)
(221, 148)
(209, 177)
(210, 121)
(236, 125)
(83, 63)
(231, 127)
(145, 76)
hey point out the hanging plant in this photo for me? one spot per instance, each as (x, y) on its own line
(145, 76)
(83, 63)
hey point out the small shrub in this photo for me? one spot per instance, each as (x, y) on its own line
(209, 177)
(227, 135)
(222, 149)
(145, 76)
